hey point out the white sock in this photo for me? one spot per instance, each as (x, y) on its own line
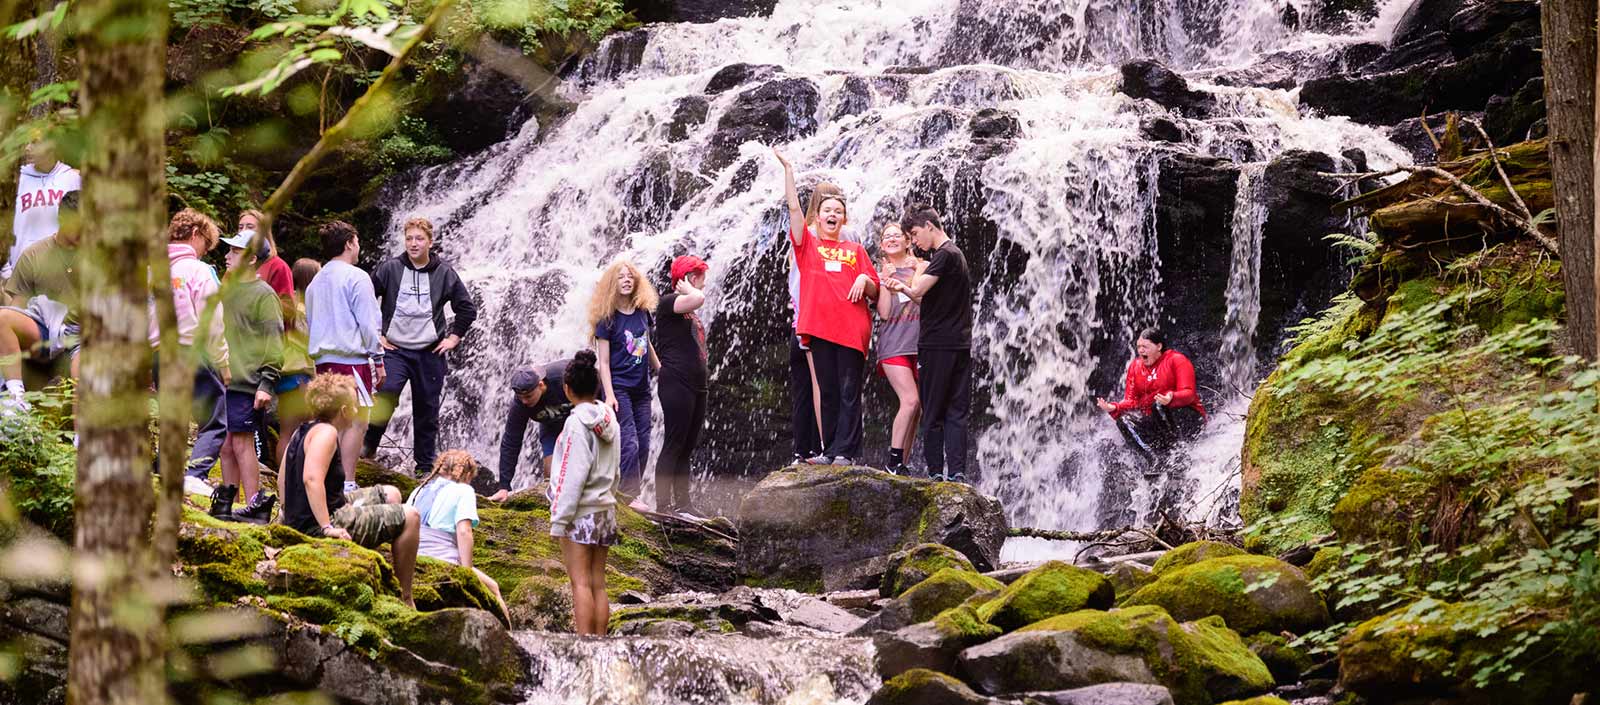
(15, 387)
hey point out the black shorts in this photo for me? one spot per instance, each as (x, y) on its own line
(242, 412)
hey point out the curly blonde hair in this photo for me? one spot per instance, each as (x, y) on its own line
(423, 224)
(603, 304)
(329, 394)
(190, 222)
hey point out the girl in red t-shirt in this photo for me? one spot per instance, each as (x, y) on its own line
(837, 283)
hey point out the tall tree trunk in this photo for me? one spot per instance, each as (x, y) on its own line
(116, 630)
(1569, 85)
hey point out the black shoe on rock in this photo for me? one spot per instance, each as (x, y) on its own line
(258, 510)
(897, 469)
(222, 499)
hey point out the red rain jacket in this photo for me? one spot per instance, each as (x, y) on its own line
(1173, 373)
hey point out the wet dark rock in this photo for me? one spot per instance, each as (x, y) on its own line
(1104, 694)
(1159, 129)
(658, 190)
(993, 123)
(697, 10)
(1479, 21)
(933, 644)
(1413, 136)
(777, 111)
(817, 528)
(1008, 34)
(1285, 70)
(935, 127)
(754, 612)
(1194, 222)
(922, 686)
(688, 113)
(1425, 17)
(498, 102)
(854, 98)
(735, 75)
(1300, 271)
(1336, 16)
(618, 54)
(1153, 81)
(1509, 119)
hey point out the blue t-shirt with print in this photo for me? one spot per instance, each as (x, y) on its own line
(629, 336)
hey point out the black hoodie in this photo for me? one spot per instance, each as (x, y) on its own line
(443, 287)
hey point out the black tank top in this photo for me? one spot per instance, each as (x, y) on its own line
(296, 508)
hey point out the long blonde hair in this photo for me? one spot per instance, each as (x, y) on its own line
(603, 305)
(456, 465)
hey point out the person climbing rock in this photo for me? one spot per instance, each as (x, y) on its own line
(944, 343)
(1159, 395)
(253, 327)
(837, 284)
(342, 331)
(898, 331)
(413, 289)
(681, 345)
(582, 493)
(449, 510)
(538, 395)
(620, 317)
(311, 481)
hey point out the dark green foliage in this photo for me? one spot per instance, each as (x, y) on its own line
(38, 465)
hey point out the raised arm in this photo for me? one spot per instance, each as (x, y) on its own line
(689, 298)
(797, 212)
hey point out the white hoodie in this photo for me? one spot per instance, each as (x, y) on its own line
(38, 197)
(585, 466)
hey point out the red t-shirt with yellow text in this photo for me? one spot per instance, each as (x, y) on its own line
(828, 268)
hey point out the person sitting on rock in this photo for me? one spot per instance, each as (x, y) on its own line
(582, 493)
(1160, 388)
(311, 482)
(449, 510)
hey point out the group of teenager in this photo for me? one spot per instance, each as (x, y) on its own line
(331, 347)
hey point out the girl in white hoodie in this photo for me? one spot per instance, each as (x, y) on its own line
(583, 477)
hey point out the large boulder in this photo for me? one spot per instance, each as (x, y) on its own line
(933, 644)
(1104, 694)
(916, 564)
(1251, 593)
(777, 111)
(941, 591)
(1199, 662)
(471, 640)
(824, 528)
(1051, 589)
(1155, 82)
(1191, 553)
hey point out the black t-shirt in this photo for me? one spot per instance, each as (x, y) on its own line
(681, 344)
(947, 307)
(296, 506)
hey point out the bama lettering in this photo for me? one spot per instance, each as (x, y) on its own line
(41, 197)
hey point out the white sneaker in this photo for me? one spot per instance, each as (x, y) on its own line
(195, 485)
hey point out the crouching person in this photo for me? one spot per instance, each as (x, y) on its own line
(449, 509)
(583, 499)
(312, 484)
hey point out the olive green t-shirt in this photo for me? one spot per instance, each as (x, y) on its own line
(47, 268)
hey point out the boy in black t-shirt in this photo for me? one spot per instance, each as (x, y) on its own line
(944, 345)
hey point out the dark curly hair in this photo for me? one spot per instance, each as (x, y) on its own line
(581, 376)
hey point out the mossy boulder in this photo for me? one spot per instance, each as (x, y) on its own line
(817, 528)
(943, 590)
(469, 639)
(933, 644)
(541, 603)
(1192, 553)
(1384, 505)
(914, 565)
(1251, 593)
(437, 585)
(1325, 559)
(1051, 589)
(371, 474)
(338, 570)
(925, 687)
(1199, 662)
(1286, 662)
(1127, 577)
(1259, 700)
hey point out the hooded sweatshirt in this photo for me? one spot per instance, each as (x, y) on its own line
(412, 302)
(38, 198)
(193, 283)
(585, 466)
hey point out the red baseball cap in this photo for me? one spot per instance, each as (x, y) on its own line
(686, 264)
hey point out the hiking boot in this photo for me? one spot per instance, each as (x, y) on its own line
(222, 500)
(957, 477)
(258, 510)
(195, 485)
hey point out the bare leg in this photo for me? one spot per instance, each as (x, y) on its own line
(577, 563)
(404, 548)
(287, 424)
(494, 588)
(905, 418)
(600, 603)
(230, 463)
(816, 400)
(350, 441)
(246, 468)
(18, 332)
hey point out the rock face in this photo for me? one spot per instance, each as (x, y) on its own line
(941, 591)
(933, 644)
(925, 687)
(1052, 589)
(916, 564)
(776, 111)
(747, 610)
(817, 528)
(1153, 81)
(1251, 593)
(1104, 694)
(697, 10)
(1198, 662)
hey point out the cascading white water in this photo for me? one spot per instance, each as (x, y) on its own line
(1243, 294)
(530, 222)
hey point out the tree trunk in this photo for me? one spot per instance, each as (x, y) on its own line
(1569, 80)
(116, 624)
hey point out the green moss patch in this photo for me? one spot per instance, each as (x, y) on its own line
(1051, 589)
(943, 590)
(916, 564)
(1252, 593)
(1192, 553)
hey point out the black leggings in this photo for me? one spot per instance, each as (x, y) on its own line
(945, 385)
(1158, 433)
(802, 414)
(839, 377)
(683, 415)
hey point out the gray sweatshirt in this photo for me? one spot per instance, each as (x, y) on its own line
(342, 316)
(585, 466)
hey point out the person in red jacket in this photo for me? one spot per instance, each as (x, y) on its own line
(1159, 406)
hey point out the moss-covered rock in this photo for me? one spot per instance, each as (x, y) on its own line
(468, 639)
(1384, 506)
(914, 565)
(1199, 662)
(1284, 661)
(1127, 577)
(1192, 553)
(1259, 700)
(1325, 559)
(1051, 589)
(924, 687)
(1251, 593)
(943, 590)
(933, 644)
(541, 603)
(438, 585)
(339, 570)
(371, 474)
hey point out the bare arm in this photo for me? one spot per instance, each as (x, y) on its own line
(884, 304)
(464, 542)
(603, 354)
(797, 212)
(689, 298)
(321, 443)
(920, 284)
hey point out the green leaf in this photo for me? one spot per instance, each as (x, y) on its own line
(48, 21)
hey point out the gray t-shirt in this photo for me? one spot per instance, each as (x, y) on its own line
(897, 334)
(412, 326)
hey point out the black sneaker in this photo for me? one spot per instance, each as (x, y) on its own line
(899, 469)
(258, 510)
(222, 499)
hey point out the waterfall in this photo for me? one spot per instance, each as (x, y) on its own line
(886, 99)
